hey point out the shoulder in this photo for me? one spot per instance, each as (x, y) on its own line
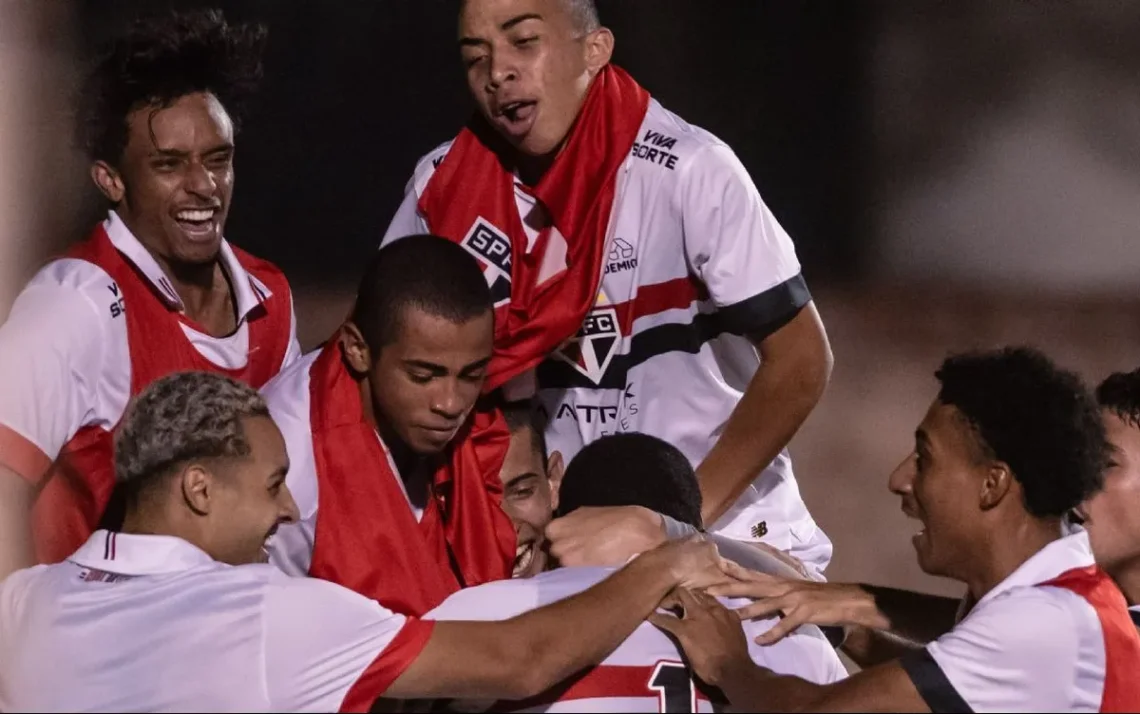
(264, 271)
(426, 166)
(669, 142)
(75, 299)
(287, 394)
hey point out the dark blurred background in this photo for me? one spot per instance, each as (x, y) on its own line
(955, 174)
(355, 92)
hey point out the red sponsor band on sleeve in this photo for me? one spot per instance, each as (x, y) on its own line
(408, 643)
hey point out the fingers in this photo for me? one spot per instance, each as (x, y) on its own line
(766, 607)
(667, 623)
(765, 586)
(782, 629)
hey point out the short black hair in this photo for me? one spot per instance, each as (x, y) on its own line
(1119, 393)
(583, 14)
(633, 469)
(524, 415)
(161, 59)
(430, 273)
(1039, 419)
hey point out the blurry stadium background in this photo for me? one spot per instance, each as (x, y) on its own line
(955, 175)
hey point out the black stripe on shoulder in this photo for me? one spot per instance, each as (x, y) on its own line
(932, 684)
(761, 315)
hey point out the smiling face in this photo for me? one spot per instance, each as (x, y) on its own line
(530, 497)
(173, 183)
(1113, 514)
(529, 65)
(940, 486)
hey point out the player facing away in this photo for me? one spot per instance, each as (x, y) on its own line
(1009, 447)
(646, 673)
(182, 616)
(396, 501)
(153, 290)
(640, 282)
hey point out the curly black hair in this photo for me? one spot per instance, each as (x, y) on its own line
(159, 60)
(1039, 419)
(1120, 394)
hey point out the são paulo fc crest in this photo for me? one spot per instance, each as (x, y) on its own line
(593, 348)
(492, 249)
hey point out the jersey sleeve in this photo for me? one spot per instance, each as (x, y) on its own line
(1017, 653)
(408, 221)
(805, 653)
(330, 649)
(52, 353)
(736, 247)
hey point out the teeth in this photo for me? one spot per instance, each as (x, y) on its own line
(523, 556)
(195, 215)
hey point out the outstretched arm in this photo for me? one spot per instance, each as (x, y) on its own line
(526, 655)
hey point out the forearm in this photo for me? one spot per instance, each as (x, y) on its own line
(16, 497)
(521, 657)
(750, 688)
(914, 616)
(867, 647)
(779, 398)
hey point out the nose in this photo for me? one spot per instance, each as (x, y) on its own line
(502, 70)
(901, 480)
(200, 181)
(447, 399)
(289, 512)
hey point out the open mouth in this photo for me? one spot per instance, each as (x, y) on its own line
(524, 557)
(197, 222)
(517, 117)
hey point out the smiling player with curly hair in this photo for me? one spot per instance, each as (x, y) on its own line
(155, 289)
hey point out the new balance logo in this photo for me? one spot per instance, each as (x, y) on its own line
(493, 250)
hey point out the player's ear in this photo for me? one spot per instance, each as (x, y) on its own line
(197, 488)
(995, 485)
(356, 352)
(108, 180)
(555, 470)
(599, 50)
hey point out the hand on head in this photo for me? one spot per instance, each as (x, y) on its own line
(606, 536)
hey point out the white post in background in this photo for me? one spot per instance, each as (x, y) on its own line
(41, 176)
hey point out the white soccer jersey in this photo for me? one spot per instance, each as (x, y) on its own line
(64, 356)
(151, 623)
(287, 395)
(695, 261)
(1022, 647)
(646, 673)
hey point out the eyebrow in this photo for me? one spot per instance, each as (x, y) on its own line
(519, 479)
(518, 19)
(176, 153)
(279, 474)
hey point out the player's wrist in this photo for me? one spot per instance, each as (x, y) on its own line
(863, 609)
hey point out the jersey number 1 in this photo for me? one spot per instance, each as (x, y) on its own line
(675, 688)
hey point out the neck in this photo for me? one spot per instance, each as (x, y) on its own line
(1008, 550)
(1127, 578)
(200, 286)
(136, 522)
(406, 460)
(532, 168)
